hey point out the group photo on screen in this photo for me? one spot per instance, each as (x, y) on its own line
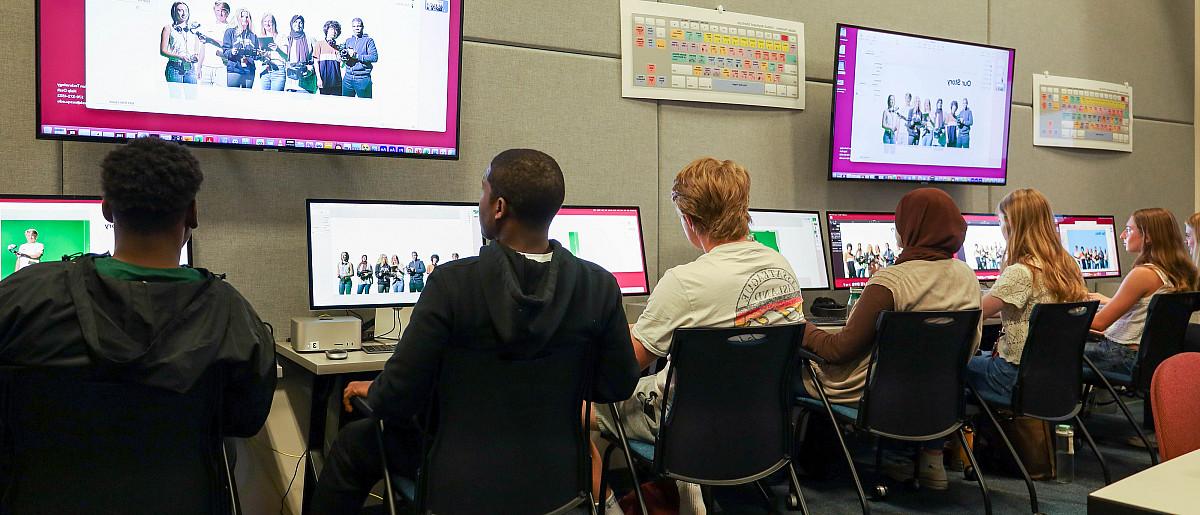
(866, 248)
(1089, 248)
(386, 274)
(928, 123)
(983, 248)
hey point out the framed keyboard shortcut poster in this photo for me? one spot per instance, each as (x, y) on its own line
(676, 52)
(1082, 113)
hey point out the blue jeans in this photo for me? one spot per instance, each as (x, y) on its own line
(992, 377)
(344, 286)
(1111, 356)
(356, 87)
(272, 80)
(964, 138)
(175, 72)
(239, 80)
(888, 137)
(398, 286)
(364, 288)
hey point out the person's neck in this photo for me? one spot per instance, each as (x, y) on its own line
(524, 242)
(707, 245)
(153, 251)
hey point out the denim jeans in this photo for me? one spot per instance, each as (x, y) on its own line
(272, 80)
(398, 286)
(239, 80)
(345, 287)
(991, 376)
(356, 87)
(1111, 356)
(364, 288)
(175, 72)
(384, 287)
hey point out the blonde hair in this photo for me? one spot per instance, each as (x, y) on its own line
(715, 195)
(1163, 247)
(1194, 223)
(1034, 242)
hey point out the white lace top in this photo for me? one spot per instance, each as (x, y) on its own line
(1017, 289)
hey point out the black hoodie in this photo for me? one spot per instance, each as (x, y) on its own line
(164, 335)
(506, 302)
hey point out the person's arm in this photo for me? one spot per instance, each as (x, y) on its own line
(667, 309)
(407, 381)
(251, 386)
(227, 51)
(41, 252)
(420, 268)
(164, 44)
(991, 306)
(1014, 287)
(369, 55)
(859, 334)
(616, 370)
(1141, 282)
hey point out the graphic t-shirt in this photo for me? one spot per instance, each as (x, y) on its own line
(742, 284)
(29, 249)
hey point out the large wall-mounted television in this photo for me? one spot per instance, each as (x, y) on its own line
(367, 77)
(919, 109)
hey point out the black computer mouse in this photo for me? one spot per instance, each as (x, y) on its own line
(336, 354)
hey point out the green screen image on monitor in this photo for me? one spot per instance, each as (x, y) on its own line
(60, 238)
(768, 238)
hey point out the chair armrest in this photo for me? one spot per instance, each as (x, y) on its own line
(805, 354)
(360, 405)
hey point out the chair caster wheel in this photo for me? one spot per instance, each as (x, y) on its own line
(793, 502)
(970, 475)
(881, 492)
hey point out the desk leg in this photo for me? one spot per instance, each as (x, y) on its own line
(322, 390)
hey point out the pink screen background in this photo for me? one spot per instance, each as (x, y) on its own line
(62, 36)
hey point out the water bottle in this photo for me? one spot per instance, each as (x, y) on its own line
(855, 293)
(1064, 453)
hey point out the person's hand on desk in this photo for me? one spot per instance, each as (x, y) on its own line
(354, 389)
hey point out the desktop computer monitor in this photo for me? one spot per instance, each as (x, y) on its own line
(1092, 241)
(44, 228)
(607, 236)
(983, 249)
(347, 239)
(797, 235)
(860, 244)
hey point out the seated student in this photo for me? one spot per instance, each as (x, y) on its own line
(712, 198)
(1037, 269)
(138, 315)
(930, 229)
(467, 302)
(1162, 266)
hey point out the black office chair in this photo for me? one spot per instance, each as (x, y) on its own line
(915, 384)
(508, 437)
(74, 443)
(1164, 335)
(725, 417)
(1049, 378)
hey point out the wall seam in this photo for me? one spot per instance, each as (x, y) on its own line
(62, 168)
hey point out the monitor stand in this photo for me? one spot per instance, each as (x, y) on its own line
(385, 323)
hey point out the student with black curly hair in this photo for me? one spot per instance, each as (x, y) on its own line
(137, 318)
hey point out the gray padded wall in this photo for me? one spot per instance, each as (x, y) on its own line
(545, 74)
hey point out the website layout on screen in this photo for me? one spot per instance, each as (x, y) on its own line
(861, 244)
(983, 249)
(380, 254)
(798, 237)
(917, 109)
(372, 76)
(37, 230)
(609, 237)
(1092, 241)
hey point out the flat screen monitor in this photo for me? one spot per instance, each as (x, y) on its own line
(190, 72)
(916, 108)
(797, 235)
(349, 239)
(1092, 241)
(983, 249)
(36, 228)
(859, 245)
(607, 236)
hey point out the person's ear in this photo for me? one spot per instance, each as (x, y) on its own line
(106, 210)
(501, 209)
(191, 220)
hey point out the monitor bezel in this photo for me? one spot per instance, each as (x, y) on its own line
(833, 108)
(308, 203)
(641, 236)
(38, 135)
(824, 241)
(92, 198)
(992, 279)
(1116, 238)
(829, 234)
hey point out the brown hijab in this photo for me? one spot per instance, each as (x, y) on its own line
(930, 226)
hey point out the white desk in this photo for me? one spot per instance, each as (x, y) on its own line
(316, 362)
(1169, 487)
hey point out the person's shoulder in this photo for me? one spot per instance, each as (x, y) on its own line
(457, 266)
(595, 272)
(36, 274)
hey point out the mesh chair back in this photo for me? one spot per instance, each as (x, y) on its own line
(725, 418)
(510, 435)
(1175, 393)
(1052, 363)
(1166, 328)
(76, 444)
(915, 382)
